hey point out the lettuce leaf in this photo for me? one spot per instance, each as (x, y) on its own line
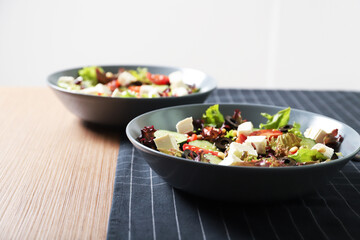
(231, 134)
(140, 74)
(296, 130)
(277, 120)
(307, 155)
(213, 117)
(89, 74)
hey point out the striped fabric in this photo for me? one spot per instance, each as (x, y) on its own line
(145, 207)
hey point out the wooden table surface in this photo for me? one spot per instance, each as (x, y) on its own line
(56, 173)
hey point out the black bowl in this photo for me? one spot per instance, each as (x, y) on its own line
(119, 111)
(238, 183)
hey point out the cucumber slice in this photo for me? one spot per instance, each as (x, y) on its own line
(179, 137)
(212, 159)
(204, 144)
(307, 143)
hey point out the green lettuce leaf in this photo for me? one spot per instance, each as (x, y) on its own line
(231, 134)
(277, 120)
(307, 155)
(89, 74)
(140, 74)
(213, 117)
(296, 130)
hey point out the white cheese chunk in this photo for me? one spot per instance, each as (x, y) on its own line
(315, 133)
(166, 142)
(66, 79)
(176, 79)
(126, 78)
(245, 128)
(259, 143)
(90, 90)
(178, 92)
(325, 150)
(103, 89)
(185, 125)
(230, 160)
(149, 91)
(99, 88)
(235, 152)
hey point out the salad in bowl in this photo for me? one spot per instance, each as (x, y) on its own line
(233, 140)
(114, 95)
(242, 152)
(127, 83)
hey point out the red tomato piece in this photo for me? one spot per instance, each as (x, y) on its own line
(158, 79)
(193, 137)
(198, 150)
(241, 138)
(112, 85)
(134, 88)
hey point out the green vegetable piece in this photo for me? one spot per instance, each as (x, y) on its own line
(307, 155)
(212, 159)
(204, 144)
(277, 120)
(179, 137)
(128, 94)
(89, 74)
(307, 143)
(140, 75)
(213, 117)
(69, 85)
(288, 140)
(231, 134)
(296, 130)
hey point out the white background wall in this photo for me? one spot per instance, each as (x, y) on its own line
(308, 44)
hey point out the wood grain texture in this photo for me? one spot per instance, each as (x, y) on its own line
(56, 172)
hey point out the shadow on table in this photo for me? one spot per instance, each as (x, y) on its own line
(113, 133)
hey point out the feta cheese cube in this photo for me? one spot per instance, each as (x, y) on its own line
(176, 79)
(315, 133)
(166, 142)
(90, 90)
(66, 79)
(230, 160)
(126, 78)
(235, 152)
(325, 150)
(99, 88)
(149, 91)
(245, 128)
(259, 142)
(185, 125)
(181, 91)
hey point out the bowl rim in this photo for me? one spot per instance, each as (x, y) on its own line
(213, 82)
(250, 168)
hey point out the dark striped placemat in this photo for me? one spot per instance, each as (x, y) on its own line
(145, 207)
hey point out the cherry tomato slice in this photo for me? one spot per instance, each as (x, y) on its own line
(198, 150)
(241, 138)
(134, 88)
(269, 133)
(193, 137)
(158, 79)
(113, 85)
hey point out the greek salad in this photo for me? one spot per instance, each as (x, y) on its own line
(234, 141)
(127, 83)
